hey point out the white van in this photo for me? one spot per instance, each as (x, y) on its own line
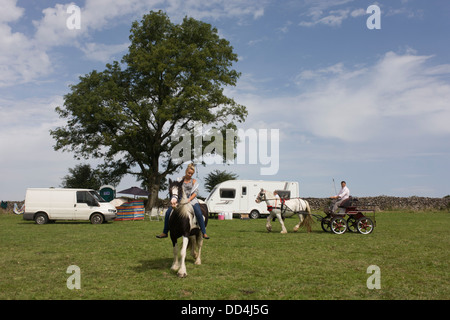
(49, 204)
(238, 196)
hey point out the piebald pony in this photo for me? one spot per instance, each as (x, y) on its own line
(182, 223)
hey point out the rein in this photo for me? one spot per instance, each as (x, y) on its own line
(176, 196)
(283, 207)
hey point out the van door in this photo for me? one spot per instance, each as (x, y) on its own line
(60, 204)
(85, 205)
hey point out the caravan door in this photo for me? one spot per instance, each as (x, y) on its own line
(243, 199)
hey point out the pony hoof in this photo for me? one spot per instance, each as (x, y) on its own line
(283, 232)
(182, 275)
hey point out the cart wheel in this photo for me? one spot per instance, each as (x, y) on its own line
(365, 225)
(325, 223)
(352, 224)
(338, 225)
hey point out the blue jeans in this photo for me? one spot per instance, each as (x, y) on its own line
(198, 215)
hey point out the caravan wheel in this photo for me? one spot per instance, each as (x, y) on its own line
(254, 214)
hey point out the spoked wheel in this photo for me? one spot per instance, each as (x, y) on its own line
(352, 224)
(365, 225)
(338, 225)
(325, 223)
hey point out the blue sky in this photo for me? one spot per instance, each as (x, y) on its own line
(367, 106)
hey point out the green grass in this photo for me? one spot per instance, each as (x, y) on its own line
(124, 260)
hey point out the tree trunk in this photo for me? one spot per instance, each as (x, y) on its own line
(153, 188)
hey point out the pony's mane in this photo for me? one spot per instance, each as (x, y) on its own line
(269, 194)
(182, 199)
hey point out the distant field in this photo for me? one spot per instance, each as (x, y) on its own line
(124, 260)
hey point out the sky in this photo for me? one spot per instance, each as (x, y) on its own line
(353, 94)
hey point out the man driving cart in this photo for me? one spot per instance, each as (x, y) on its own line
(343, 195)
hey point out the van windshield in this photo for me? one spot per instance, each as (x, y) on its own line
(97, 196)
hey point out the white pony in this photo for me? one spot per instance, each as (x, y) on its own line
(280, 209)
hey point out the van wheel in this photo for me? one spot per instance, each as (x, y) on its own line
(97, 218)
(41, 218)
(254, 214)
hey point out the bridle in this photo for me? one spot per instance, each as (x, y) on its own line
(261, 196)
(174, 192)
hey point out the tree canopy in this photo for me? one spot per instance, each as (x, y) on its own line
(216, 177)
(172, 76)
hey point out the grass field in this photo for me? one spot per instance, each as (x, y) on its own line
(124, 260)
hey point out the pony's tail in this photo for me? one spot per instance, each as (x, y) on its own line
(308, 220)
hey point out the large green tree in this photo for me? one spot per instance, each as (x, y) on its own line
(172, 77)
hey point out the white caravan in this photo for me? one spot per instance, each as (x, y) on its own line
(49, 204)
(238, 196)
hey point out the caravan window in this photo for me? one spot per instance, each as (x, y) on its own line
(284, 194)
(228, 193)
(244, 191)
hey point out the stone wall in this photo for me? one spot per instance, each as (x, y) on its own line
(381, 203)
(391, 203)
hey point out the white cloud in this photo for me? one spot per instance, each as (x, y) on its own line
(10, 12)
(20, 60)
(358, 12)
(364, 103)
(52, 29)
(26, 58)
(320, 13)
(400, 95)
(27, 145)
(103, 53)
(216, 9)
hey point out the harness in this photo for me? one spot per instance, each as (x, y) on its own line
(282, 206)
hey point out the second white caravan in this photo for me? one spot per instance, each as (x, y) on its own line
(238, 196)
